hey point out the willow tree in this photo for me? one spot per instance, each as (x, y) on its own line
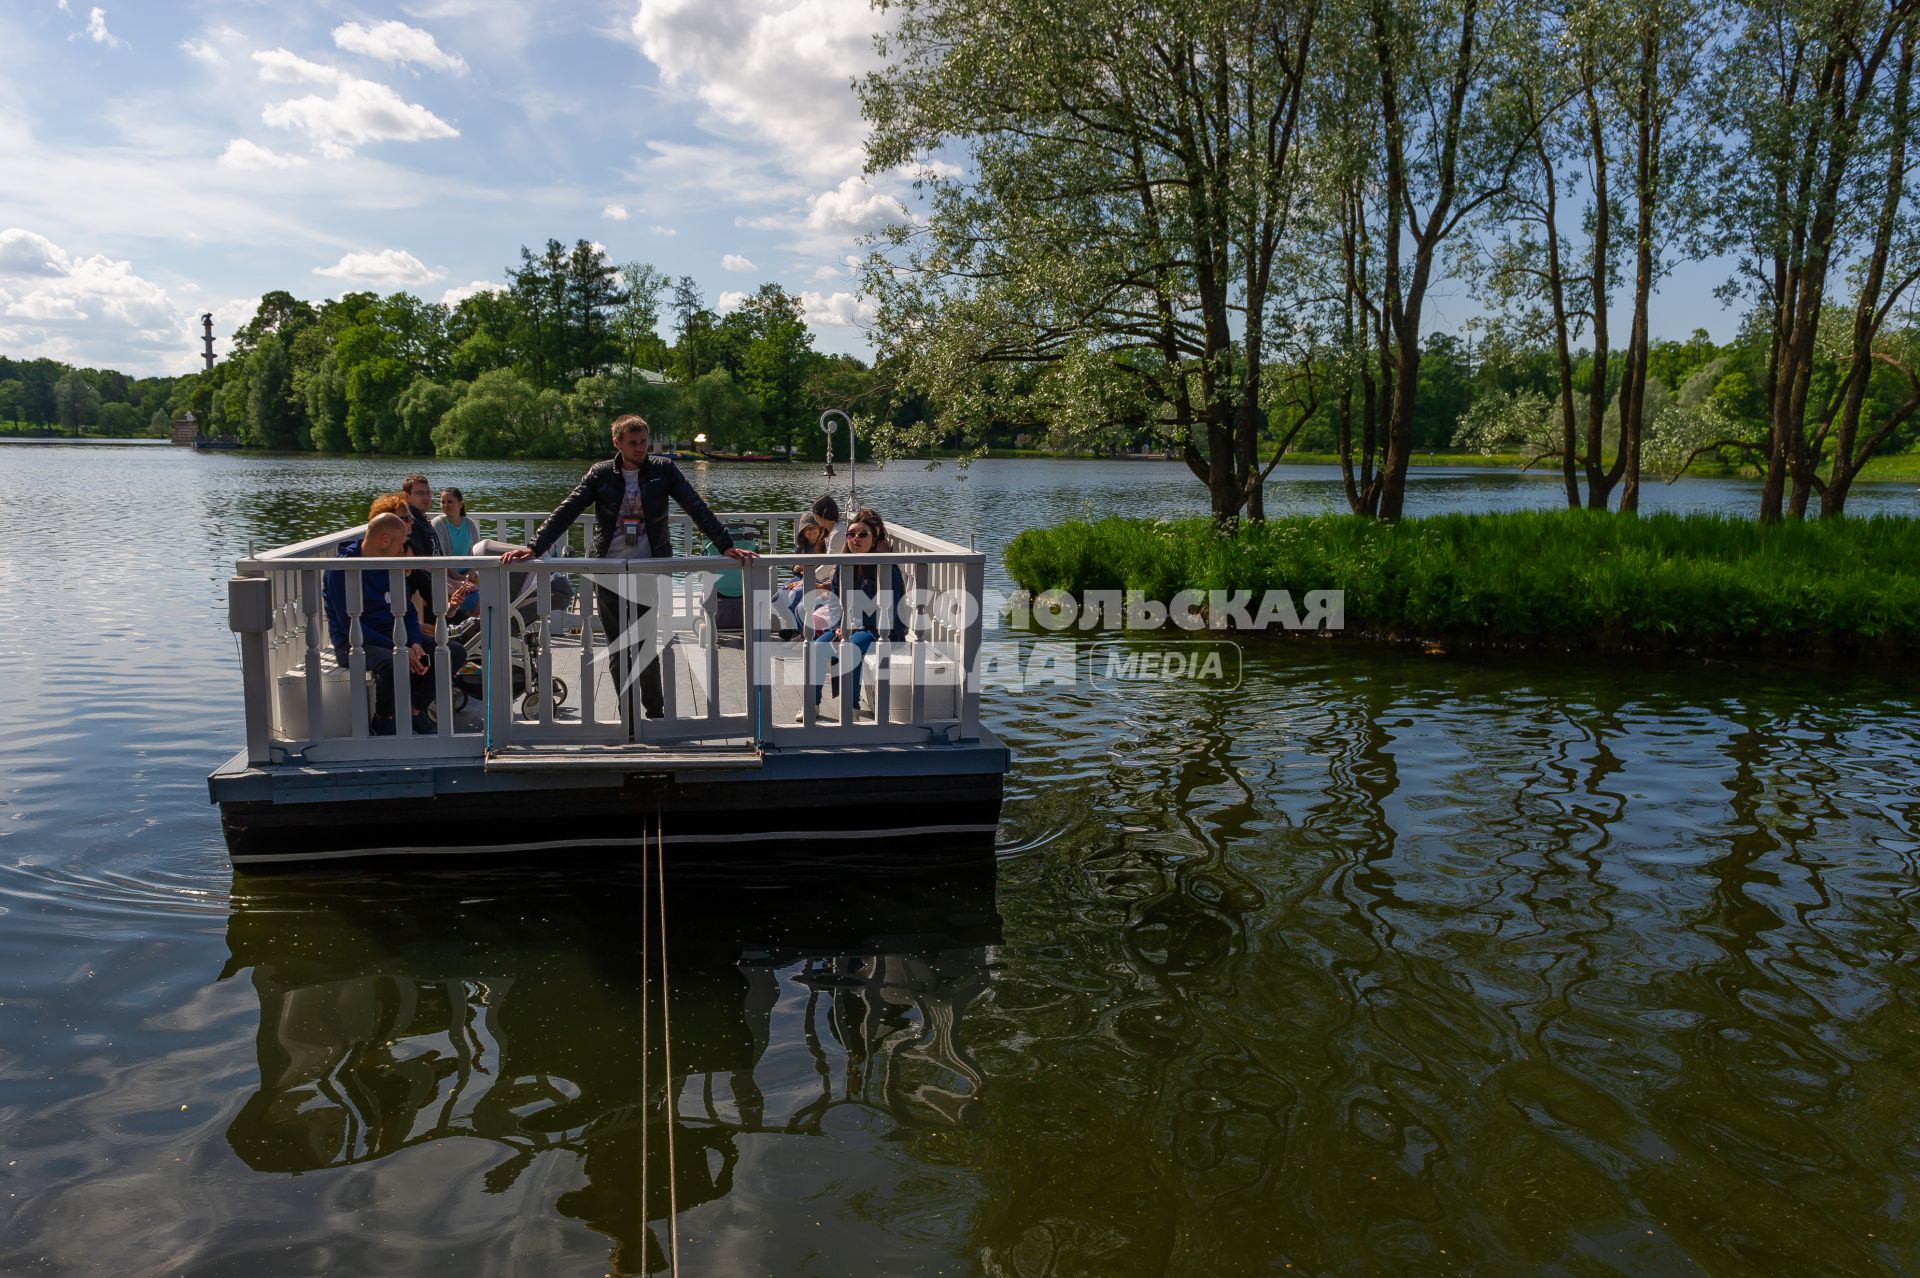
(1817, 102)
(1610, 182)
(1421, 115)
(1107, 249)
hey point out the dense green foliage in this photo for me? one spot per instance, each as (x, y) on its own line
(536, 369)
(1560, 578)
(45, 396)
(1221, 226)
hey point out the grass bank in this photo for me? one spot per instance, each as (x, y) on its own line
(1570, 579)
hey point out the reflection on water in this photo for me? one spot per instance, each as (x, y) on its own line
(1381, 963)
(413, 1012)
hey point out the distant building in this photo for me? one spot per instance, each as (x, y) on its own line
(185, 429)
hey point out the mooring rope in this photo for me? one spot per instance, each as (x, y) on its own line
(666, 1047)
(646, 1021)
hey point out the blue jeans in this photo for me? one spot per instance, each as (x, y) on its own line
(847, 684)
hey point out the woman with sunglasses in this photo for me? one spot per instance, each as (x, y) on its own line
(863, 625)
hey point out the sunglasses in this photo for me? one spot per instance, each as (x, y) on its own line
(859, 530)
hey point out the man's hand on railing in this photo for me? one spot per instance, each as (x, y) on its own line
(744, 556)
(515, 555)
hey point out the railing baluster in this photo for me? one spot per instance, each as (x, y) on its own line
(398, 604)
(712, 649)
(357, 656)
(586, 602)
(442, 656)
(310, 602)
(498, 664)
(663, 597)
(542, 588)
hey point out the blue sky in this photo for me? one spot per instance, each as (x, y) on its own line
(158, 159)
(162, 159)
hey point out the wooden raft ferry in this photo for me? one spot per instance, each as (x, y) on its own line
(535, 759)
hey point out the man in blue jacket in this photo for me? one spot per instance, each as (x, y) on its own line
(629, 494)
(385, 538)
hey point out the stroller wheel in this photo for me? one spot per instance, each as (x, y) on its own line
(559, 691)
(530, 706)
(459, 698)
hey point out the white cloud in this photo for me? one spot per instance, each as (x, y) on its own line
(777, 69)
(92, 310)
(734, 262)
(667, 231)
(729, 301)
(22, 252)
(201, 51)
(597, 247)
(360, 111)
(396, 42)
(251, 157)
(853, 208)
(97, 29)
(63, 7)
(282, 66)
(837, 310)
(615, 213)
(461, 292)
(390, 267)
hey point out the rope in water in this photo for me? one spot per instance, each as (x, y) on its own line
(666, 1047)
(646, 1020)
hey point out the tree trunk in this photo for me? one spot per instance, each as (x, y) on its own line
(1599, 481)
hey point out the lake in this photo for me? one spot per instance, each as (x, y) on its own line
(1382, 961)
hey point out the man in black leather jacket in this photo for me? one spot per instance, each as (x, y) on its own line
(629, 493)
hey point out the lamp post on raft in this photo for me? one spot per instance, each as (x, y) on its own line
(828, 426)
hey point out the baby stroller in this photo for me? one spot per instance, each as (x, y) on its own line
(725, 608)
(523, 640)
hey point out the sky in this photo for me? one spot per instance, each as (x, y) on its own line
(158, 160)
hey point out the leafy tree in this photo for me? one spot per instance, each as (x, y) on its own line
(716, 406)
(119, 419)
(693, 330)
(420, 408)
(779, 359)
(636, 322)
(326, 401)
(501, 415)
(76, 402)
(593, 292)
(1816, 103)
(540, 304)
(279, 312)
(274, 418)
(1134, 175)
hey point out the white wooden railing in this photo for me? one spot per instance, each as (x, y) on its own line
(539, 668)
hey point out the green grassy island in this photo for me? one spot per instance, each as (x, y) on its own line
(1563, 579)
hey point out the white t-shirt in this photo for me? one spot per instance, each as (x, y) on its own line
(632, 516)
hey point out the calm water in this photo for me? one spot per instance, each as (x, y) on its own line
(1382, 963)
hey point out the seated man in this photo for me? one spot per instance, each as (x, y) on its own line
(386, 538)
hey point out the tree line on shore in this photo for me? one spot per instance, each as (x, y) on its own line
(1224, 220)
(534, 369)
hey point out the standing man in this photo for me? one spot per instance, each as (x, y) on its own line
(629, 494)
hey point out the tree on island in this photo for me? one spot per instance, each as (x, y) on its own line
(1112, 252)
